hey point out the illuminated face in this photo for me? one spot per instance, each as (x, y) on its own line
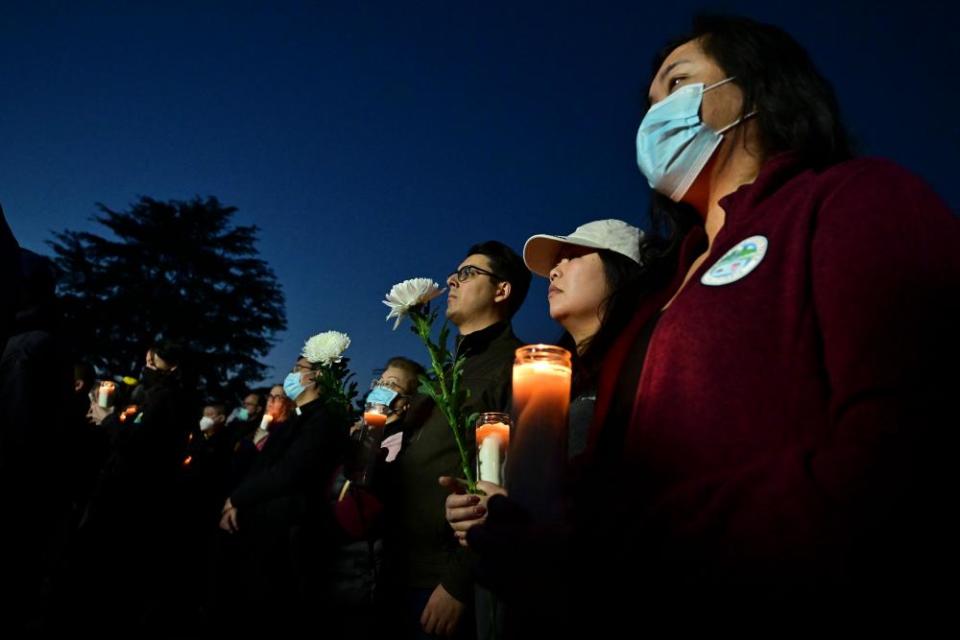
(278, 405)
(578, 288)
(472, 292)
(401, 381)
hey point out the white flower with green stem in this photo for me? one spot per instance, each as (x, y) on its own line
(324, 351)
(411, 298)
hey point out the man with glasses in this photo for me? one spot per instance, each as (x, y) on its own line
(430, 575)
(280, 516)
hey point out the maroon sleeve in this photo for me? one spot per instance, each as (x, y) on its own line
(885, 283)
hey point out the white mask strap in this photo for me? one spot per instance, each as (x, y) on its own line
(736, 122)
(717, 84)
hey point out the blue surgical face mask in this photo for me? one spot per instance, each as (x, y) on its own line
(292, 385)
(382, 395)
(673, 142)
(243, 415)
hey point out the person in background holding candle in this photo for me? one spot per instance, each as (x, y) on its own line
(429, 573)
(278, 411)
(401, 377)
(774, 432)
(134, 524)
(359, 509)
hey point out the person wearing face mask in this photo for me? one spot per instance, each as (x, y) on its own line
(279, 513)
(770, 428)
(133, 532)
(248, 417)
(207, 462)
(213, 421)
(359, 504)
(392, 391)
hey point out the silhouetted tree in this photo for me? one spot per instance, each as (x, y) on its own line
(178, 271)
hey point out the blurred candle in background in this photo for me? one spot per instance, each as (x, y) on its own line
(106, 396)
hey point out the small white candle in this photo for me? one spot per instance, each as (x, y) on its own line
(265, 421)
(491, 459)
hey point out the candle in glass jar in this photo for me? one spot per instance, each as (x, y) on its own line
(105, 397)
(541, 401)
(493, 438)
(374, 419)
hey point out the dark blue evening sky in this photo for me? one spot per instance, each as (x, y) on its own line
(375, 141)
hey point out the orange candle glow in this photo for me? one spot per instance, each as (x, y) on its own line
(541, 402)
(374, 419)
(128, 412)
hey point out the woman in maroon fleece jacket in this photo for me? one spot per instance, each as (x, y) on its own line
(783, 403)
(772, 430)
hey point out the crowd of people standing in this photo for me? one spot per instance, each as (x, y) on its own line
(760, 420)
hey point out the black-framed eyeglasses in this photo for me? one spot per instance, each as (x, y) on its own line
(467, 271)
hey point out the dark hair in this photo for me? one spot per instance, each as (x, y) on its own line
(84, 371)
(172, 352)
(218, 406)
(412, 367)
(507, 264)
(259, 396)
(625, 281)
(796, 107)
(797, 111)
(176, 355)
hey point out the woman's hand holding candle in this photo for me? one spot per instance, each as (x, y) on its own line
(463, 510)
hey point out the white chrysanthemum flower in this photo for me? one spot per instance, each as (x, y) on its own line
(326, 348)
(408, 295)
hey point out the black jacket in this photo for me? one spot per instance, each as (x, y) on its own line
(421, 548)
(293, 473)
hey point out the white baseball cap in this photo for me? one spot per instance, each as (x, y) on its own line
(540, 251)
